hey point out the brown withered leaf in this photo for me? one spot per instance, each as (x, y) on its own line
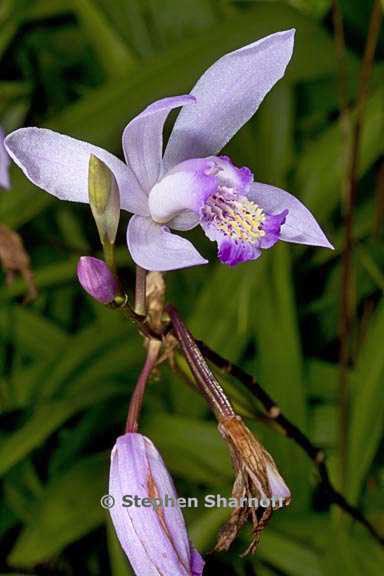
(15, 260)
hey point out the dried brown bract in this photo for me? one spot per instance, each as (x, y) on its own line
(258, 487)
(15, 260)
(155, 293)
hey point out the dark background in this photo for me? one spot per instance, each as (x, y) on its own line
(68, 365)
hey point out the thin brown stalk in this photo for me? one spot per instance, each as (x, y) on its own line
(347, 291)
(205, 380)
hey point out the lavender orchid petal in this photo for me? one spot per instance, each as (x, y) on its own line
(154, 248)
(227, 95)
(185, 220)
(59, 165)
(300, 226)
(186, 187)
(154, 539)
(197, 563)
(4, 163)
(143, 139)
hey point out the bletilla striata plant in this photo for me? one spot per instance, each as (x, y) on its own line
(188, 185)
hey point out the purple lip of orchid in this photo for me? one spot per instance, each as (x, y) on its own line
(189, 184)
(154, 538)
(4, 163)
(218, 198)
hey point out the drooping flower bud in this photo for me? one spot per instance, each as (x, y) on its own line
(146, 515)
(257, 477)
(104, 199)
(97, 279)
(4, 163)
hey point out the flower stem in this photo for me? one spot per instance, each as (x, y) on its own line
(140, 292)
(206, 381)
(138, 393)
(109, 255)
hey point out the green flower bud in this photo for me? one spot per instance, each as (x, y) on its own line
(104, 199)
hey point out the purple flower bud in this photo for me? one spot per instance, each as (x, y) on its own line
(148, 521)
(97, 279)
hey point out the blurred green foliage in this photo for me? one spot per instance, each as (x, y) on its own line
(86, 67)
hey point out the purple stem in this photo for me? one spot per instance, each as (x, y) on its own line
(138, 393)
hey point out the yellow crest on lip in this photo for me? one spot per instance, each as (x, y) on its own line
(238, 218)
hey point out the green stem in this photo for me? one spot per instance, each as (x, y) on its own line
(109, 256)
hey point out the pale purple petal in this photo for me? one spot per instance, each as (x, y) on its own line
(186, 187)
(227, 95)
(185, 220)
(300, 226)
(4, 163)
(277, 485)
(156, 542)
(59, 165)
(154, 248)
(143, 139)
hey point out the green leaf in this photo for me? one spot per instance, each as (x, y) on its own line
(318, 180)
(294, 558)
(113, 53)
(69, 508)
(192, 449)
(33, 333)
(274, 136)
(280, 363)
(229, 312)
(366, 422)
(204, 530)
(44, 421)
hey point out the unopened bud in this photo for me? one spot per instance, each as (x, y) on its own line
(104, 199)
(146, 515)
(97, 279)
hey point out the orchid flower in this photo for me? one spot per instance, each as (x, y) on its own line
(190, 184)
(4, 163)
(154, 538)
